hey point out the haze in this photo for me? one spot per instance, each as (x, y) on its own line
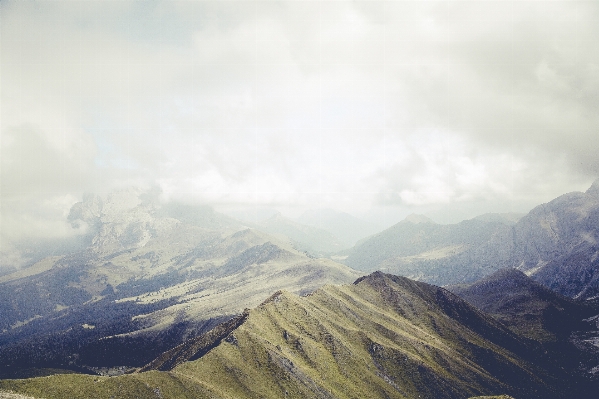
(380, 109)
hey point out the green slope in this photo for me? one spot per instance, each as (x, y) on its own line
(383, 337)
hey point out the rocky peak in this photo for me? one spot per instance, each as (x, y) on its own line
(594, 189)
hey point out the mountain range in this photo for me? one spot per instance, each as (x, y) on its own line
(382, 337)
(555, 243)
(151, 276)
(158, 299)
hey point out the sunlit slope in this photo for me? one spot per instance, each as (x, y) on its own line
(383, 337)
(157, 294)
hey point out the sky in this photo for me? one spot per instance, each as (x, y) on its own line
(377, 108)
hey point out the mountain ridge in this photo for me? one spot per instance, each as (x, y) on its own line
(383, 336)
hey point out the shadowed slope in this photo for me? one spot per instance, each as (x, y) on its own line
(526, 306)
(196, 347)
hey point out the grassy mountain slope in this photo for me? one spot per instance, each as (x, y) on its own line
(383, 337)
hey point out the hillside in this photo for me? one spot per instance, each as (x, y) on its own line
(151, 277)
(526, 306)
(382, 337)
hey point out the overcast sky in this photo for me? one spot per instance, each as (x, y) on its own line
(450, 108)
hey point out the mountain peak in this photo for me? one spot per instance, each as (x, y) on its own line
(508, 274)
(594, 189)
(417, 219)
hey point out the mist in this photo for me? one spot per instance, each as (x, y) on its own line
(378, 109)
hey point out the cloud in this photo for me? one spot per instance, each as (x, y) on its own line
(295, 103)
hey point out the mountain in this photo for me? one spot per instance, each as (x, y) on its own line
(555, 243)
(509, 218)
(346, 227)
(566, 328)
(152, 276)
(382, 337)
(419, 248)
(306, 238)
(526, 306)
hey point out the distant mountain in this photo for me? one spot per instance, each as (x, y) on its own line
(311, 239)
(382, 337)
(151, 276)
(418, 248)
(509, 218)
(346, 227)
(558, 244)
(252, 215)
(555, 243)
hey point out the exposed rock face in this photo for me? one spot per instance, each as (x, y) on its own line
(557, 244)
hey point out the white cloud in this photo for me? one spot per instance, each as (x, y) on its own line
(297, 103)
